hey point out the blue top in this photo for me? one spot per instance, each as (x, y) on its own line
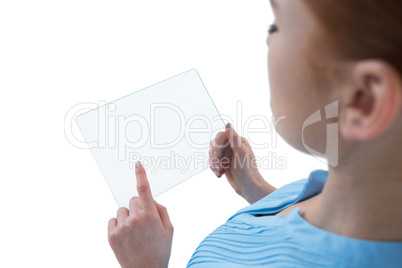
(249, 240)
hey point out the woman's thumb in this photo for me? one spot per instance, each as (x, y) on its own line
(233, 137)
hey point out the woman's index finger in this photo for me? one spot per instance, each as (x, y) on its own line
(143, 188)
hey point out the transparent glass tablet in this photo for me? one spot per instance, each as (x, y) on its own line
(167, 126)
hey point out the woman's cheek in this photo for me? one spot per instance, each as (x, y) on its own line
(284, 99)
(276, 85)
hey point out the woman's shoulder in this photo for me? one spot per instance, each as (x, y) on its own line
(288, 194)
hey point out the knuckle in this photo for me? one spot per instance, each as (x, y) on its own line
(133, 221)
(121, 210)
(124, 228)
(142, 188)
(133, 199)
(113, 237)
(111, 221)
(164, 209)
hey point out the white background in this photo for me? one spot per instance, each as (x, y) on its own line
(55, 204)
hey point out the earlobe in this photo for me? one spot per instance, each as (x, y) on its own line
(372, 102)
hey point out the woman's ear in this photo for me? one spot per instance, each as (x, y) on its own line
(371, 102)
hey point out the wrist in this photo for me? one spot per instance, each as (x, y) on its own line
(257, 188)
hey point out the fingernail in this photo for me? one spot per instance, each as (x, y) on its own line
(138, 164)
(216, 173)
(217, 168)
(229, 126)
(216, 154)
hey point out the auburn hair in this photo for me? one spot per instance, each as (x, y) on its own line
(361, 29)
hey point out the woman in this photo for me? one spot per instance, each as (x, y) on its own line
(321, 53)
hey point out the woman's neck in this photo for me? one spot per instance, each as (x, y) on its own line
(362, 201)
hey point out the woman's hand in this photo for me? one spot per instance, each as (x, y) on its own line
(232, 155)
(141, 236)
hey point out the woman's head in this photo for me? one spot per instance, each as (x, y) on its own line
(361, 29)
(336, 51)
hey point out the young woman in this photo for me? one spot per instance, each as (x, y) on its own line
(321, 53)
